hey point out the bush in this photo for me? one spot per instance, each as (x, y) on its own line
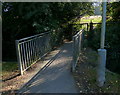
(111, 44)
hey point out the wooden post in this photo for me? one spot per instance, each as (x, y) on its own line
(87, 27)
(91, 26)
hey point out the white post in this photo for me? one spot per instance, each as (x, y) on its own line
(103, 26)
(102, 51)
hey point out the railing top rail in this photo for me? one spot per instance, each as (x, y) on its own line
(78, 33)
(27, 38)
(80, 24)
(97, 23)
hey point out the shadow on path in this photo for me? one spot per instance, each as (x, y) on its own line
(55, 76)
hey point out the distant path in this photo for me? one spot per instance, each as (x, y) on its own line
(56, 78)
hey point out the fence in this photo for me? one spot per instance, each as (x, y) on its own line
(76, 27)
(31, 49)
(77, 41)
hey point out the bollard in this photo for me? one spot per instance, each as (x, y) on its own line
(101, 67)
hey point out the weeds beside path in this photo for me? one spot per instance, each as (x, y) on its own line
(85, 75)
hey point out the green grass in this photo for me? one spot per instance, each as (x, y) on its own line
(8, 68)
(87, 64)
(95, 20)
(88, 20)
(111, 84)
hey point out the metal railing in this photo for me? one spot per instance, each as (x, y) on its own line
(77, 45)
(31, 49)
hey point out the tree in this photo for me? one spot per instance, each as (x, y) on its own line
(26, 19)
(114, 10)
(112, 37)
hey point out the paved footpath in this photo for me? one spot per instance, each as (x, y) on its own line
(56, 77)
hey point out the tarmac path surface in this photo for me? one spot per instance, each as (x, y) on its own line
(56, 76)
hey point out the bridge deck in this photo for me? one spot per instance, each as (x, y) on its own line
(55, 77)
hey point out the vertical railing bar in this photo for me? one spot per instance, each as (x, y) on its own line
(28, 55)
(43, 47)
(18, 56)
(76, 48)
(48, 42)
(22, 59)
(46, 45)
(25, 61)
(33, 50)
(79, 43)
(38, 48)
(30, 52)
(73, 54)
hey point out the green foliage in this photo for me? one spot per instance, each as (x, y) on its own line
(9, 69)
(113, 9)
(25, 19)
(9, 66)
(57, 37)
(111, 44)
(112, 37)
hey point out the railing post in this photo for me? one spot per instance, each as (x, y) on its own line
(79, 43)
(73, 64)
(18, 56)
(77, 40)
(31, 49)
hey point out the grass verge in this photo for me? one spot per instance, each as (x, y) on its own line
(85, 75)
(9, 69)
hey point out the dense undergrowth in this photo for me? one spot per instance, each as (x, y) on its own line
(86, 75)
(111, 44)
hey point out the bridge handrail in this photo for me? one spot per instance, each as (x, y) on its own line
(77, 44)
(30, 49)
(26, 38)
